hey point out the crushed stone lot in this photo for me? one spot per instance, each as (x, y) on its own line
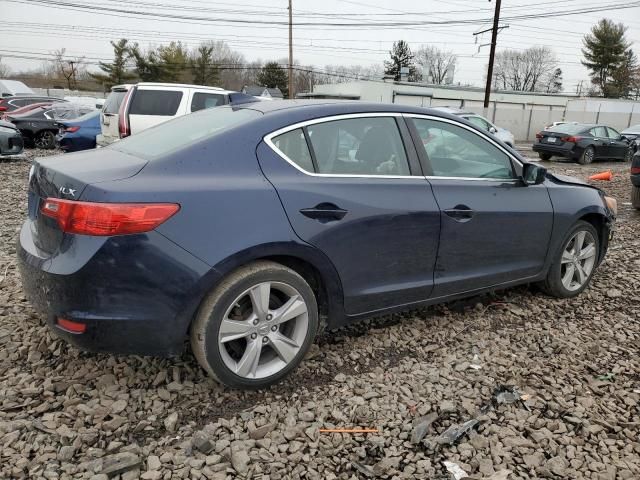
(68, 414)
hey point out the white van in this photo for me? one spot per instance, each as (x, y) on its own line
(130, 109)
(14, 88)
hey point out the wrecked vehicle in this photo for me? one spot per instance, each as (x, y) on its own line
(10, 139)
(240, 226)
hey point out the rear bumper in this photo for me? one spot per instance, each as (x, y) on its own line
(11, 144)
(136, 294)
(556, 150)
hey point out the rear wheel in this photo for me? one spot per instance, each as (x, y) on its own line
(587, 156)
(635, 197)
(544, 156)
(45, 140)
(256, 326)
(575, 263)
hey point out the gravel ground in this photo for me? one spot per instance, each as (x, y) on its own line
(68, 414)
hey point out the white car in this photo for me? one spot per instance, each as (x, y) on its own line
(501, 133)
(130, 109)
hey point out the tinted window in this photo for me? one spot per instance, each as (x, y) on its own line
(613, 133)
(183, 131)
(113, 101)
(295, 148)
(570, 128)
(163, 103)
(359, 146)
(479, 122)
(201, 101)
(599, 132)
(457, 152)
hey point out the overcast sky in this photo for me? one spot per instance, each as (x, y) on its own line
(34, 28)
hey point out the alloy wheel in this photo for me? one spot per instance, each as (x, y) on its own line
(578, 260)
(45, 140)
(263, 330)
(588, 155)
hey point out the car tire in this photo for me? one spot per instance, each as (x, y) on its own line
(587, 156)
(545, 157)
(240, 341)
(635, 197)
(628, 156)
(564, 279)
(45, 140)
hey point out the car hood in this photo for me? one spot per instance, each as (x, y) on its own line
(7, 125)
(567, 179)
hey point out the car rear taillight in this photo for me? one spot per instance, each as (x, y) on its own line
(124, 129)
(3, 109)
(104, 219)
(71, 326)
(539, 135)
(71, 129)
(635, 170)
(571, 139)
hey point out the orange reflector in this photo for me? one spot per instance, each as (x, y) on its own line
(71, 326)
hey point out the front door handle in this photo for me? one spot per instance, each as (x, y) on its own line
(460, 213)
(324, 212)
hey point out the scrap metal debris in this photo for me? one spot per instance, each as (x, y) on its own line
(507, 394)
(422, 427)
(452, 434)
(457, 473)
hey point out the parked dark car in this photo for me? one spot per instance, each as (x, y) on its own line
(635, 181)
(26, 109)
(633, 135)
(79, 133)
(9, 104)
(582, 143)
(10, 139)
(40, 126)
(241, 226)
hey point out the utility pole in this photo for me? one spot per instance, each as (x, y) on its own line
(492, 54)
(290, 50)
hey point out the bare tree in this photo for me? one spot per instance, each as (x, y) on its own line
(69, 70)
(438, 65)
(4, 69)
(525, 70)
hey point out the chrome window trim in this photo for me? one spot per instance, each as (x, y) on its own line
(268, 139)
(490, 140)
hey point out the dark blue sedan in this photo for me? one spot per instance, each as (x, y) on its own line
(79, 133)
(241, 227)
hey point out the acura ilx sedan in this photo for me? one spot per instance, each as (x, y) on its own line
(245, 228)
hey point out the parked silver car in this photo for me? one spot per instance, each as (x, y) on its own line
(501, 133)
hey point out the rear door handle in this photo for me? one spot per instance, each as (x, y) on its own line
(460, 213)
(324, 212)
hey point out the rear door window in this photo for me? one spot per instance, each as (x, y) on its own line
(113, 101)
(203, 100)
(294, 146)
(162, 103)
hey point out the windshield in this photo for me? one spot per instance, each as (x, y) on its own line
(183, 131)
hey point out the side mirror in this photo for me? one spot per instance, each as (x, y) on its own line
(493, 130)
(533, 174)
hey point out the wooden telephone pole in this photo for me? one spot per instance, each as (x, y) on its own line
(290, 50)
(492, 53)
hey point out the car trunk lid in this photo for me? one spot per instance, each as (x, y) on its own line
(67, 177)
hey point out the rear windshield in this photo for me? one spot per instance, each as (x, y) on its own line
(113, 101)
(569, 128)
(162, 103)
(183, 131)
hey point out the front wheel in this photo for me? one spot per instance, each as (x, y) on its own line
(635, 197)
(45, 140)
(587, 156)
(256, 326)
(575, 263)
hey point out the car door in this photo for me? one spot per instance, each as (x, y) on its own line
(617, 148)
(494, 228)
(352, 187)
(600, 141)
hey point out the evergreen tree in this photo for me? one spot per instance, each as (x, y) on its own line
(625, 77)
(148, 66)
(116, 73)
(203, 67)
(401, 56)
(273, 75)
(175, 60)
(604, 53)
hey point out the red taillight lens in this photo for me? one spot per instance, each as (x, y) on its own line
(104, 219)
(71, 129)
(538, 135)
(571, 139)
(124, 128)
(3, 109)
(635, 170)
(71, 326)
